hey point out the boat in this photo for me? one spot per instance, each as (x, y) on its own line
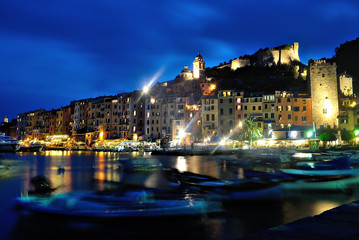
(227, 190)
(8, 144)
(292, 183)
(133, 164)
(114, 205)
(332, 167)
(30, 147)
(77, 146)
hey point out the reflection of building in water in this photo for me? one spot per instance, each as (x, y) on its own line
(196, 164)
(181, 164)
(105, 171)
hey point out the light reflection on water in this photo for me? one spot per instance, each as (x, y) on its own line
(98, 170)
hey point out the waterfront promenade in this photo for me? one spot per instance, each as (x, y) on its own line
(338, 223)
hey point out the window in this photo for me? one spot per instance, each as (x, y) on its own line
(253, 108)
(245, 107)
(259, 108)
(230, 100)
(304, 118)
(304, 108)
(221, 111)
(296, 109)
(296, 118)
(289, 116)
(230, 111)
(212, 117)
(325, 110)
(288, 99)
(272, 115)
(266, 115)
(207, 117)
(220, 100)
(265, 106)
(279, 100)
(323, 75)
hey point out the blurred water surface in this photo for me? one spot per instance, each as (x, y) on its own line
(99, 170)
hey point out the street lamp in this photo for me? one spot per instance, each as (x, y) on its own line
(146, 89)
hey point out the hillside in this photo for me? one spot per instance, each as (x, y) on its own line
(347, 59)
(261, 78)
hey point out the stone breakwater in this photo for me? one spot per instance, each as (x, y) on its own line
(338, 223)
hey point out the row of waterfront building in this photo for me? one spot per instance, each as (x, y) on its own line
(192, 107)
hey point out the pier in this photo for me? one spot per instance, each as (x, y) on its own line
(338, 223)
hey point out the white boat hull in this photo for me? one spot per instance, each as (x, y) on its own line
(9, 147)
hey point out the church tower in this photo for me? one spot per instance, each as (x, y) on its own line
(324, 92)
(198, 67)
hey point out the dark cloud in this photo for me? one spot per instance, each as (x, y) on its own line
(76, 49)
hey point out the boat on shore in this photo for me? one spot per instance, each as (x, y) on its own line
(8, 144)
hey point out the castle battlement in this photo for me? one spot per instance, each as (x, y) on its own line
(323, 62)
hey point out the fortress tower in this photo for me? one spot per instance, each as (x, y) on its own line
(324, 93)
(198, 67)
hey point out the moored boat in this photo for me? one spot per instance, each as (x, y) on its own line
(131, 204)
(8, 144)
(333, 167)
(30, 147)
(139, 164)
(228, 190)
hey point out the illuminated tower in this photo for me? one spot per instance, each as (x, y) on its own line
(324, 93)
(198, 67)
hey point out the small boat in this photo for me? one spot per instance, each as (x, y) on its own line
(227, 190)
(139, 164)
(114, 205)
(332, 167)
(8, 144)
(294, 183)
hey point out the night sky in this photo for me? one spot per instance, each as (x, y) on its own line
(53, 52)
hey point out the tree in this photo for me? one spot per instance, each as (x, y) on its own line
(347, 136)
(250, 131)
(327, 136)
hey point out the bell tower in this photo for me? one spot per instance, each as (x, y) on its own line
(198, 67)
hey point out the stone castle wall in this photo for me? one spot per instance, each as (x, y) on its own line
(324, 93)
(346, 84)
(280, 55)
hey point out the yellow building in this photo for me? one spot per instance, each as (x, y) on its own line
(252, 107)
(209, 117)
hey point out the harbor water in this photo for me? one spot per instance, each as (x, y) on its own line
(85, 170)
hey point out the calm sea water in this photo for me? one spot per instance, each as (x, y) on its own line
(98, 170)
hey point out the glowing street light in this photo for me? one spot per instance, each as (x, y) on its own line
(145, 89)
(181, 133)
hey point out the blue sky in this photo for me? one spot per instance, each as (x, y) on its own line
(53, 52)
